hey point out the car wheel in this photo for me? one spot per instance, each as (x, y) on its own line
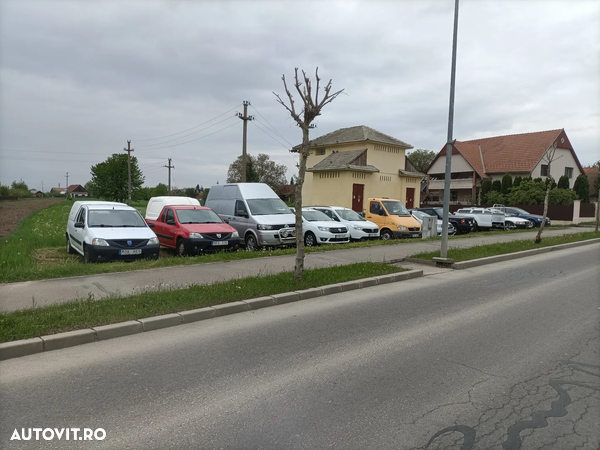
(87, 256)
(180, 248)
(251, 243)
(310, 240)
(509, 226)
(70, 250)
(386, 235)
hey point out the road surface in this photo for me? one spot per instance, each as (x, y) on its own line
(504, 356)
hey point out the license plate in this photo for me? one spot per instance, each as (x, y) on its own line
(220, 242)
(372, 234)
(133, 251)
(339, 236)
(415, 235)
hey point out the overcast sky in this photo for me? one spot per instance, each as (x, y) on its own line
(79, 79)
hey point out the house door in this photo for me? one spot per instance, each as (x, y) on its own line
(410, 197)
(357, 197)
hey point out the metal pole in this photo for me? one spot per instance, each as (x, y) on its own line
(444, 248)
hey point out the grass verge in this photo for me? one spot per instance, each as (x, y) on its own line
(90, 312)
(483, 251)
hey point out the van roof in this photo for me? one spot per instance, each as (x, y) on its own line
(255, 190)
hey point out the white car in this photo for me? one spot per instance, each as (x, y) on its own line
(512, 222)
(109, 231)
(485, 218)
(319, 228)
(360, 228)
(419, 216)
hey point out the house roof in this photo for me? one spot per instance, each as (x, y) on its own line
(515, 153)
(76, 188)
(342, 161)
(359, 133)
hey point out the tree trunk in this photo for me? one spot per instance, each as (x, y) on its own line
(299, 266)
(538, 238)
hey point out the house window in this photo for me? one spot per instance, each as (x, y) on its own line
(320, 151)
(569, 172)
(544, 170)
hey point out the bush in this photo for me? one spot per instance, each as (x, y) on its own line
(563, 182)
(582, 188)
(507, 184)
(562, 197)
(494, 197)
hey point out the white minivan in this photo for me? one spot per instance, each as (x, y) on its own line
(109, 231)
(360, 228)
(261, 218)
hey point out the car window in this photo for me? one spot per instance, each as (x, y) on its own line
(314, 216)
(170, 216)
(267, 206)
(395, 208)
(163, 217)
(240, 208)
(375, 208)
(115, 218)
(198, 216)
(329, 213)
(81, 216)
(350, 215)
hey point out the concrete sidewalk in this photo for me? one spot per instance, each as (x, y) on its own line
(15, 296)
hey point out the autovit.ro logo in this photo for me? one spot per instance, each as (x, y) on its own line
(66, 434)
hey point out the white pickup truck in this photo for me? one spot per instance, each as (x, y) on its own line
(485, 217)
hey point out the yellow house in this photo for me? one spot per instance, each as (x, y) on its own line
(348, 166)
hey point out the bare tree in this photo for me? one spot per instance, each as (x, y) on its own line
(304, 118)
(548, 157)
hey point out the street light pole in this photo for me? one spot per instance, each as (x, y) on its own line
(449, 144)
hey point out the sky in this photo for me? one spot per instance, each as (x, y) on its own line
(79, 79)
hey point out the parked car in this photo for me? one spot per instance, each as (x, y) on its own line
(360, 228)
(392, 218)
(319, 228)
(462, 224)
(109, 231)
(512, 222)
(189, 228)
(485, 218)
(440, 223)
(261, 218)
(518, 212)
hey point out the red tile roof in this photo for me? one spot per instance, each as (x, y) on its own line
(515, 153)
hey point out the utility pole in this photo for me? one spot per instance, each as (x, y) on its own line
(170, 167)
(67, 187)
(128, 150)
(245, 118)
(449, 145)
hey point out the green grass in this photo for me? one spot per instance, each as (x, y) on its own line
(483, 251)
(90, 312)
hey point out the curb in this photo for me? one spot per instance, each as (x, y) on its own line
(16, 349)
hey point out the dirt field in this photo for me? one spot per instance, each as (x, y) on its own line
(12, 212)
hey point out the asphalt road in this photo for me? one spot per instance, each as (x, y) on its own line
(504, 356)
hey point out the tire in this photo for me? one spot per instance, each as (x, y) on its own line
(70, 249)
(387, 235)
(180, 248)
(251, 244)
(509, 226)
(310, 240)
(87, 257)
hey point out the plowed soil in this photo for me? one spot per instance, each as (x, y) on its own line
(12, 212)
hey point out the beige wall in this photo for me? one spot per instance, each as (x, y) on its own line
(563, 158)
(459, 164)
(335, 188)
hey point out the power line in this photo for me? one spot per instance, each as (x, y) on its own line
(264, 131)
(194, 140)
(163, 137)
(181, 137)
(272, 127)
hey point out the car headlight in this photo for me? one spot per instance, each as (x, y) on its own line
(153, 241)
(235, 234)
(402, 228)
(265, 227)
(356, 227)
(323, 228)
(195, 236)
(99, 242)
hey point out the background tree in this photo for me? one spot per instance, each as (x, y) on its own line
(563, 182)
(507, 184)
(311, 108)
(421, 159)
(20, 189)
(582, 188)
(517, 181)
(486, 187)
(528, 192)
(259, 169)
(562, 196)
(497, 185)
(110, 179)
(549, 157)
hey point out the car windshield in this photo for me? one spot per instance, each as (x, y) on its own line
(316, 216)
(419, 214)
(115, 218)
(439, 212)
(395, 208)
(350, 215)
(266, 206)
(197, 216)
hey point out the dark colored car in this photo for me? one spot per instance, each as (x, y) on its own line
(518, 212)
(463, 224)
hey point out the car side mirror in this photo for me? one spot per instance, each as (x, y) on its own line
(79, 225)
(170, 221)
(151, 224)
(241, 213)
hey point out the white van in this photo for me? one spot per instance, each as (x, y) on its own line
(156, 204)
(109, 231)
(261, 218)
